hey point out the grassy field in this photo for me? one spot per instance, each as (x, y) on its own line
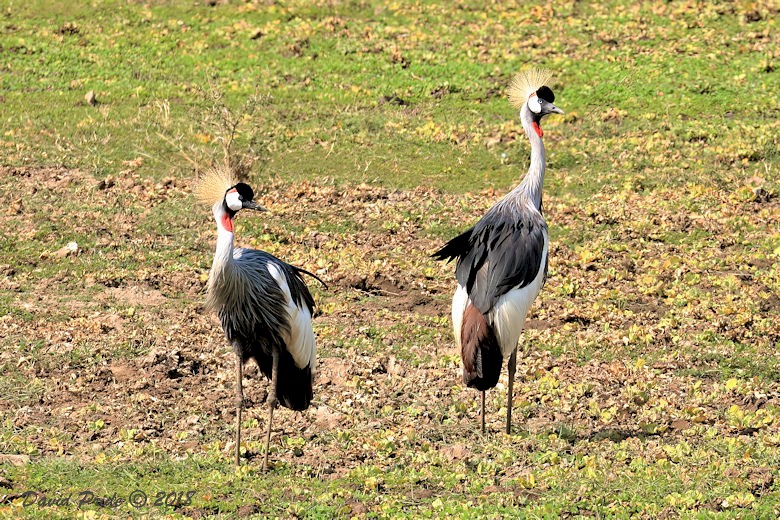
(649, 385)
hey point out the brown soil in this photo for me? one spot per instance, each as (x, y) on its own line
(135, 349)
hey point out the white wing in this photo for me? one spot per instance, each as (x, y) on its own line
(508, 315)
(301, 343)
(459, 302)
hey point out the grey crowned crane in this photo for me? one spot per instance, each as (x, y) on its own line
(263, 304)
(502, 260)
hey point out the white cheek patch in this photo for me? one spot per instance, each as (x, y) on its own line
(233, 201)
(534, 105)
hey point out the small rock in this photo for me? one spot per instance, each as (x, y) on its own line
(90, 98)
(71, 248)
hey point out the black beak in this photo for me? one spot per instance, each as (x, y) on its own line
(252, 205)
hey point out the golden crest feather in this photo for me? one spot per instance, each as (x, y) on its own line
(210, 187)
(526, 83)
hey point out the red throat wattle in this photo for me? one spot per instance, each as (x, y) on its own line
(538, 129)
(227, 222)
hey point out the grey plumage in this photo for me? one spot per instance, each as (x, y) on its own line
(263, 305)
(503, 251)
(251, 308)
(501, 262)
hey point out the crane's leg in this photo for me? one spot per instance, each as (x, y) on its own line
(512, 367)
(482, 412)
(239, 405)
(272, 401)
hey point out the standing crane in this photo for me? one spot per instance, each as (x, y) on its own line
(502, 260)
(263, 304)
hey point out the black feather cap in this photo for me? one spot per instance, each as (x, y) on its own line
(546, 93)
(245, 191)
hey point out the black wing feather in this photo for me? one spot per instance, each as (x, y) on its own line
(298, 289)
(455, 247)
(267, 327)
(265, 334)
(501, 252)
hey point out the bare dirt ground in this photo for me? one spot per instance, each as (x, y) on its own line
(110, 347)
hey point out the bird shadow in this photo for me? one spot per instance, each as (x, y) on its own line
(614, 434)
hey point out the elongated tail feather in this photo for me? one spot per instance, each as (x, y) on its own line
(304, 271)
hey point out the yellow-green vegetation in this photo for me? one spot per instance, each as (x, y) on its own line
(649, 386)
